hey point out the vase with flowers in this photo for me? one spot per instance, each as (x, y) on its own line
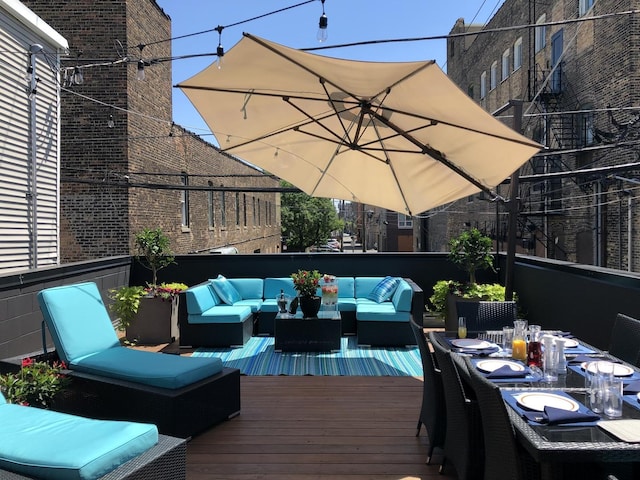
(306, 283)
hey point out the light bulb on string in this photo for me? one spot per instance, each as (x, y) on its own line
(323, 23)
(111, 123)
(78, 77)
(140, 75)
(220, 48)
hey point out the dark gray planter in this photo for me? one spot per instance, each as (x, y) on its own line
(155, 323)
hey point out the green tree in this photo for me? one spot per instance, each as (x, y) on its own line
(307, 220)
(471, 251)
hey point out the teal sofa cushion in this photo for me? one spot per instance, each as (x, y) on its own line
(364, 285)
(248, 288)
(46, 444)
(148, 368)
(225, 290)
(254, 304)
(201, 298)
(402, 297)
(346, 287)
(78, 320)
(273, 286)
(346, 304)
(383, 312)
(222, 314)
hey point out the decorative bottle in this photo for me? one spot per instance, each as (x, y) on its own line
(282, 302)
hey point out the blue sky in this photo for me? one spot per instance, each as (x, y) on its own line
(349, 21)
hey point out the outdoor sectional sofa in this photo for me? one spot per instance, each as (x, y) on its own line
(205, 320)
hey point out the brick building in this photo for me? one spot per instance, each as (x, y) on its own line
(579, 81)
(123, 160)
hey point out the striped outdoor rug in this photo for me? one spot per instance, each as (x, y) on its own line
(258, 357)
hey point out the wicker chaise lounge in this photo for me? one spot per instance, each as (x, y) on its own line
(181, 395)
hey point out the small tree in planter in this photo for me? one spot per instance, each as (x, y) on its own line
(471, 251)
(146, 313)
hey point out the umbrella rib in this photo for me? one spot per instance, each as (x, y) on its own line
(436, 155)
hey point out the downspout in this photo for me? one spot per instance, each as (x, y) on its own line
(629, 232)
(32, 193)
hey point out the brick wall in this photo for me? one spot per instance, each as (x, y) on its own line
(102, 203)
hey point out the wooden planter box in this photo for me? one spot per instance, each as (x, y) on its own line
(155, 323)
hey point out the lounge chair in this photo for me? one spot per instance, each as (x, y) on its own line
(181, 395)
(47, 444)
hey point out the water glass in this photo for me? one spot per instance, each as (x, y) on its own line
(591, 383)
(549, 358)
(462, 327)
(507, 339)
(613, 398)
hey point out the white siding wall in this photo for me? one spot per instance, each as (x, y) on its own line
(19, 29)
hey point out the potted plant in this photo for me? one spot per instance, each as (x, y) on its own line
(36, 384)
(306, 283)
(470, 251)
(148, 314)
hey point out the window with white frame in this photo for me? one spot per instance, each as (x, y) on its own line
(540, 33)
(506, 64)
(404, 221)
(494, 75)
(584, 6)
(483, 85)
(184, 200)
(517, 54)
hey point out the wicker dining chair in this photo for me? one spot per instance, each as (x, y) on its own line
(432, 413)
(487, 315)
(503, 457)
(463, 444)
(625, 339)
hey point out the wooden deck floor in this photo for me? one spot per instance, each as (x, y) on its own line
(313, 427)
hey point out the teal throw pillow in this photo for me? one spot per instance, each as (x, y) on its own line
(384, 290)
(227, 292)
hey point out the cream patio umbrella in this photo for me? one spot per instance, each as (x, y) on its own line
(401, 136)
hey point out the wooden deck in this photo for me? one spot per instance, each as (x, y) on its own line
(316, 427)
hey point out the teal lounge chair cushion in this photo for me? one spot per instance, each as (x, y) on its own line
(78, 320)
(148, 368)
(46, 444)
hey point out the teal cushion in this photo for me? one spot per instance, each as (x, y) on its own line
(382, 312)
(346, 287)
(227, 292)
(222, 314)
(2, 399)
(364, 285)
(273, 286)
(384, 289)
(248, 288)
(77, 319)
(46, 444)
(255, 304)
(149, 368)
(402, 297)
(347, 304)
(200, 298)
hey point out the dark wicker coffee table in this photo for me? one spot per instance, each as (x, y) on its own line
(319, 334)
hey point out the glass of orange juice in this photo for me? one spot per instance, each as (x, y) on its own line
(462, 327)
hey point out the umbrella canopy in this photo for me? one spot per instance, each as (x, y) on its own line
(401, 136)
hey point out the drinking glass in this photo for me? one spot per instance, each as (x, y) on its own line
(549, 358)
(591, 383)
(507, 340)
(613, 398)
(462, 327)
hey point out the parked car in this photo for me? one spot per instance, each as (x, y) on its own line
(324, 248)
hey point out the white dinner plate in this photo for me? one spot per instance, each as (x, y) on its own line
(538, 400)
(619, 370)
(471, 343)
(638, 397)
(570, 343)
(488, 366)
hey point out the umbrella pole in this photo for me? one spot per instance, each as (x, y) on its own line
(514, 204)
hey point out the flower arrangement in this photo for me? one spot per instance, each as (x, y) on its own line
(36, 384)
(306, 282)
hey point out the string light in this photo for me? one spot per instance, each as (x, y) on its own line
(220, 49)
(111, 123)
(322, 34)
(140, 75)
(78, 77)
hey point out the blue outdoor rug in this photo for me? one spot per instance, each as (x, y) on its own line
(258, 357)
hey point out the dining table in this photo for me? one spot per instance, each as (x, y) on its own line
(592, 438)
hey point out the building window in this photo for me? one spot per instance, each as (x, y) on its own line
(244, 209)
(404, 221)
(585, 127)
(584, 6)
(517, 54)
(255, 213)
(483, 85)
(541, 33)
(470, 91)
(237, 209)
(184, 200)
(223, 209)
(505, 64)
(259, 219)
(211, 211)
(494, 75)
